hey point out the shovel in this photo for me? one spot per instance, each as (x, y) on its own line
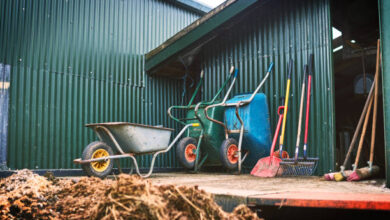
(268, 166)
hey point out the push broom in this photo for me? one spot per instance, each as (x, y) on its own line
(367, 172)
(301, 166)
(343, 174)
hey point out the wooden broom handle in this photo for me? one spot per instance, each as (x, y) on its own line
(358, 126)
(375, 102)
(363, 134)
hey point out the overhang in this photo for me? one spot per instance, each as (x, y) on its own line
(180, 51)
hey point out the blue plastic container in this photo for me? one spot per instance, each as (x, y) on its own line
(257, 131)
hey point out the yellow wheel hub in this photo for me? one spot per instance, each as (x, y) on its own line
(100, 166)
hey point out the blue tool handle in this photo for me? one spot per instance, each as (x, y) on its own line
(311, 59)
(271, 65)
(290, 67)
(304, 151)
(235, 73)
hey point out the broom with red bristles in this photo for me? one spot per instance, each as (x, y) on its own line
(370, 171)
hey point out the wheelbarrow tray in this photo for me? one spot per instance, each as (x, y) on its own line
(133, 138)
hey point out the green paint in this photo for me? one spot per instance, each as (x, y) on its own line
(384, 17)
(199, 32)
(274, 33)
(213, 133)
(77, 62)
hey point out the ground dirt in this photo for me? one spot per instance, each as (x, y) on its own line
(26, 195)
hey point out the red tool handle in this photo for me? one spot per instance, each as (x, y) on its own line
(277, 130)
(311, 59)
(307, 108)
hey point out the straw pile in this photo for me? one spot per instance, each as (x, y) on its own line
(27, 195)
(24, 195)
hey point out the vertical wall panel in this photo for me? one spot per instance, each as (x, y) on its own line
(384, 17)
(4, 106)
(277, 32)
(76, 62)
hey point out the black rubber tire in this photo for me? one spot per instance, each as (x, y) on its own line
(180, 152)
(224, 156)
(87, 154)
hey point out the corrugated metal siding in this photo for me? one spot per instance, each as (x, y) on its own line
(77, 62)
(277, 32)
(384, 18)
(4, 106)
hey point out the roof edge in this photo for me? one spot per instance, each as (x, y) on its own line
(195, 31)
(194, 6)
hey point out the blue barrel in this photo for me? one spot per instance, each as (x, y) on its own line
(257, 131)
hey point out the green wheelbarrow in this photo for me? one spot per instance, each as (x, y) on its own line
(125, 140)
(198, 145)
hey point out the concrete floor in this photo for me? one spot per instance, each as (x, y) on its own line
(229, 190)
(246, 184)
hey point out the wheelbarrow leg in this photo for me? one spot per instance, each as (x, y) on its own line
(159, 152)
(151, 166)
(197, 151)
(240, 138)
(119, 166)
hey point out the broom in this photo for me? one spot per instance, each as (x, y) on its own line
(367, 172)
(344, 174)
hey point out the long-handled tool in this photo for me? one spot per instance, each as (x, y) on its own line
(339, 176)
(373, 131)
(367, 172)
(285, 110)
(268, 166)
(343, 174)
(302, 166)
(355, 165)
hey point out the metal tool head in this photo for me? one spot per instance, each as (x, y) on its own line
(266, 167)
(299, 167)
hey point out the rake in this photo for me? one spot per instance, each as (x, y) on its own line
(301, 166)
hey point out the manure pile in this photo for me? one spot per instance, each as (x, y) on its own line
(26, 195)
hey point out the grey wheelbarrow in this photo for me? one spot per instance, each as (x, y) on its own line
(125, 140)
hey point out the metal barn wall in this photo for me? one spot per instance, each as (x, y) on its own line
(384, 18)
(76, 62)
(276, 32)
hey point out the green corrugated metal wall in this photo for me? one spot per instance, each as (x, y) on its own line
(277, 32)
(384, 16)
(76, 62)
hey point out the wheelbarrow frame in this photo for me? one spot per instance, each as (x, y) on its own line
(131, 155)
(184, 121)
(237, 105)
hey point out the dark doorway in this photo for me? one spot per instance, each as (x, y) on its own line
(355, 33)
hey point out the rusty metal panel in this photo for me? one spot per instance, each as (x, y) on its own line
(276, 32)
(77, 62)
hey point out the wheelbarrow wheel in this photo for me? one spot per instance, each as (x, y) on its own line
(99, 169)
(228, 153)
(185, 152)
